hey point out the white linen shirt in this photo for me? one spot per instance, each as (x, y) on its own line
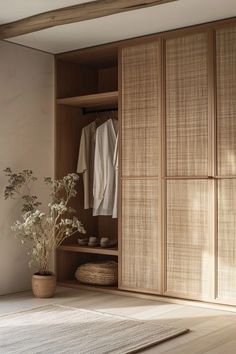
(104, 171)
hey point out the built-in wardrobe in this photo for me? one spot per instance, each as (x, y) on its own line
(175, 98)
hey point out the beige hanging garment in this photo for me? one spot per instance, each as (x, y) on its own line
(86, 162)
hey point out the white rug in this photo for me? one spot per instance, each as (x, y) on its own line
(58, 329)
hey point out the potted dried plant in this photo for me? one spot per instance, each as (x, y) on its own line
(42, 232)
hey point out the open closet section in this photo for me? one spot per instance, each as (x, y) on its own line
(86, 92)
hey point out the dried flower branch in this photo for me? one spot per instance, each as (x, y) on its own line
(43, 232)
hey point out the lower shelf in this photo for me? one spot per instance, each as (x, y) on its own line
(76, 285)
(85, 249)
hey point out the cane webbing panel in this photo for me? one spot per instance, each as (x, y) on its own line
(187, 238)
(226, 100)
(140, 234)
(227, 239)
(140, 109)
(187, 105)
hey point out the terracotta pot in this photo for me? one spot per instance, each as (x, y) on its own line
(43, 286)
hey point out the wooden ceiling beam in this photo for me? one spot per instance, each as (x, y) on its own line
(71, 14)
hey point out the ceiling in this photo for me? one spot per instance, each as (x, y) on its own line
(126, 25)
(26, 8)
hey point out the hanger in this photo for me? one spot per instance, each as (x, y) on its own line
(99, 119)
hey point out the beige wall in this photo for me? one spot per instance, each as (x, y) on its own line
(26, 142)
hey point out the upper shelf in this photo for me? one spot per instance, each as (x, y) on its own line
(104, 99)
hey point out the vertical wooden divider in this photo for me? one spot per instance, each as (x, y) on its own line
(214, 117)
(163, 171)
(211, 161)
(120, 166)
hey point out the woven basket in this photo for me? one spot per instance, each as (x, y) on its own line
(98, 273)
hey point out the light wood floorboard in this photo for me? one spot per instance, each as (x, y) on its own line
(211, 331)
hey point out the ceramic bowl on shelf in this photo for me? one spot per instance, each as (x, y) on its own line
(83, 241)
(93, 241)
(106, 242)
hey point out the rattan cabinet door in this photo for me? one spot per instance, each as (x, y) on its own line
(188, 243)
(226, 100)
(140, 168)
(187, 105)
(141, 107)
(140, 236)
(227, 240)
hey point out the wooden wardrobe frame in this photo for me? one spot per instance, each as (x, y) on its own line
(85, 54)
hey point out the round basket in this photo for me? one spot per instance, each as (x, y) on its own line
(98, 273)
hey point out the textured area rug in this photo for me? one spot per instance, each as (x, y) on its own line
(59, 329)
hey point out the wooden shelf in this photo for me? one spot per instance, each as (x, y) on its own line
(104, 99)
(84, 249)
(77, 285)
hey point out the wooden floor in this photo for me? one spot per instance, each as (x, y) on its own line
(212, 331)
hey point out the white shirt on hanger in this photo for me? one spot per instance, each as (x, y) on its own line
(104, 171)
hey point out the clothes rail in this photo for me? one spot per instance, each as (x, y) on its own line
(86, 111)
